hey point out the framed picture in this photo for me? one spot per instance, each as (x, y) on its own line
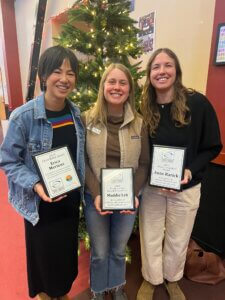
(57, 171)
(117, 189)
(147, 31)
(167, 167)
(220, 45)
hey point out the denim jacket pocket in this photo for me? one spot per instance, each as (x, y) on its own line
(34, 147)
(23, 200)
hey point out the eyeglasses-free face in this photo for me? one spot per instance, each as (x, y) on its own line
(163, 73)
(116, 88)
(60, 82)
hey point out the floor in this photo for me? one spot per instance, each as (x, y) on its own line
(192, 290)
(13, 266)
(13, 279)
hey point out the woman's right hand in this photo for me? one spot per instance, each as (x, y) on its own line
(38, 188)
(97, 203)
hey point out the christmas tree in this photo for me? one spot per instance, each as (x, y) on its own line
(103, 32)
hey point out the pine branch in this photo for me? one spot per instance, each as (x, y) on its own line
(109, 35)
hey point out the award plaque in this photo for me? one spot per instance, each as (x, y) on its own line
(167, 167)
(57, 171)
(117, 189)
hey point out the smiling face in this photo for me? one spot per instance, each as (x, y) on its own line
(116, 89)
(163, 73)
(60, 82)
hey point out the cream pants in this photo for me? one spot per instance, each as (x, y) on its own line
(166, 221)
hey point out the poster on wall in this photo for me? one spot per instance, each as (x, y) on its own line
(220, 45)
(147, 31)
(132, 2)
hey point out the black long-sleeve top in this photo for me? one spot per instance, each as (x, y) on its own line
(201, 137)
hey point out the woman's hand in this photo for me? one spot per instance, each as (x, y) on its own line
(97, 203)
(131, 212)
(38, 188)
(187, 176)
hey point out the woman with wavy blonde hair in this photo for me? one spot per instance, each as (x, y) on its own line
(115, 138)
(99, 111)
(177, 117)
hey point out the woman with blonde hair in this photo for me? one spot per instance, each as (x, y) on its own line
(115, 138)
(176, 117)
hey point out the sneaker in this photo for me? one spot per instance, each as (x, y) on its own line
(174, 291)
(119, 295)
(146, 291)
(98, 296)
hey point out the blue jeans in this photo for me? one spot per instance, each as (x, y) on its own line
(109, 236)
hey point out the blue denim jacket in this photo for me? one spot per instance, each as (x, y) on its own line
(30, 132)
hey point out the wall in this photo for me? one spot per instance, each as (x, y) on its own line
(186, 28)
(54, 8)
(26, 11)
(216, 79)
(3, 79)
(212, 207)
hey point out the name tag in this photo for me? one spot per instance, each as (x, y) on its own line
(94, 129)
(135, 137)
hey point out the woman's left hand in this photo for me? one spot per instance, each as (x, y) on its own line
(131, 212)
(97, 204)
(187, 176)
(38, 188)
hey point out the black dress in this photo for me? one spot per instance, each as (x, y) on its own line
(52, 245)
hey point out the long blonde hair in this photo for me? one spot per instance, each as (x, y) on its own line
(99, 112)
(149, 107)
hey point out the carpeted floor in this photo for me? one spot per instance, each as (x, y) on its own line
(13, 265)
(192, 290)
(13, 283)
